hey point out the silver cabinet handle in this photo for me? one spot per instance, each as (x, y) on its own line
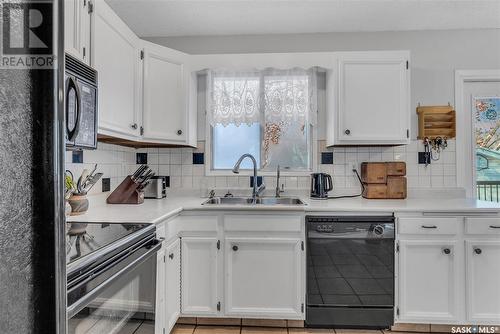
(171, 256)
(447, 251)
(347, 132)
(179, 132)
(429, 226)
(134, 126)
(235, 248)
(477, 251)
(494, 226)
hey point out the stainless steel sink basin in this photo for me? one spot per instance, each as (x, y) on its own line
(249, 201)
(280, 201)
(228, 200)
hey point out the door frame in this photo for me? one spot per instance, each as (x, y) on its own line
(465, 170)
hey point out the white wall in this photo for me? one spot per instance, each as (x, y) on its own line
(435, 55)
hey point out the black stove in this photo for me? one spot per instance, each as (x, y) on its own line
(101, 255)
(83, 239)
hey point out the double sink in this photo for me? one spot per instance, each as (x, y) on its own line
(258, 201)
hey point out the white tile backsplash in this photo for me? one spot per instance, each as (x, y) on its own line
(116, 162)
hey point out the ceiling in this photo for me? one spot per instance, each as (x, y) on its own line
(161, 18)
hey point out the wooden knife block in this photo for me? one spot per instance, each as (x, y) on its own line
(126, 193)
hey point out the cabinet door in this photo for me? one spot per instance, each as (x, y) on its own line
(372, 98)
(263, 278)
(165, 99)
(173, 284)
(483, 272)
(116, 57)
(160, 291)
(428, 287)
(199, 276)
(86, 24)
(77, 29)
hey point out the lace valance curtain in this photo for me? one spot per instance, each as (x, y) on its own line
(273, 95)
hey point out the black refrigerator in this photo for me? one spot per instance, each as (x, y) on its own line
(32, 257)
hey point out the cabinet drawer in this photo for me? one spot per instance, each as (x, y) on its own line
(197, 223)
(264, 223)
(428, 225)
(482, 225)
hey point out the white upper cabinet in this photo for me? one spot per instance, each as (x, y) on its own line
(369, 98)
(77, 17)
(166, 76)
(116, 57)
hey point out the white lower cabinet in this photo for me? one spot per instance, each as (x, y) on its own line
(200, 276)
(482, 281)
(263, 277)
(173, 284)
(428, 283)
(160, 308)
(243, 266)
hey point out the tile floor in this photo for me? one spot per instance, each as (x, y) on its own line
(192, 329)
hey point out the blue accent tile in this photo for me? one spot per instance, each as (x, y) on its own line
(198, 158)
(259, 181)
(141, 158)
(77, 157)
(424, 158)
(327, 158)
(106, 184)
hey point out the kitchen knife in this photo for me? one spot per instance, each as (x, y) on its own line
(146, 181)
(139, 171)
(147, 178)
(92, 181)
(81, 180)
(144, 176)
(93, 171)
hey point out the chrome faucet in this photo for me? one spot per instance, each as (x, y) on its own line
(236, 170)
(278, 189)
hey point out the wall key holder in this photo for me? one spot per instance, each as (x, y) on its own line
(436, 124)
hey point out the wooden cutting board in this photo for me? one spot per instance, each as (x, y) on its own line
(396, 187)
(374, 172)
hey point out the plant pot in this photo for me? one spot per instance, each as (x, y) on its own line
(79, 204)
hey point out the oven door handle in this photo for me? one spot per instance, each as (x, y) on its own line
(76, 307)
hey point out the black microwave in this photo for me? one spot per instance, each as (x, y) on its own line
(80, 104)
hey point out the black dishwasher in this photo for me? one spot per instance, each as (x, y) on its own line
(350, 271)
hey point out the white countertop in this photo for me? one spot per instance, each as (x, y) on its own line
(157, 210)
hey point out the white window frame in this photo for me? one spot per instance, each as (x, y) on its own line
(465, 155)
(248, 172)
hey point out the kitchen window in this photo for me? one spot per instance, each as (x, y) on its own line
(270, 114)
